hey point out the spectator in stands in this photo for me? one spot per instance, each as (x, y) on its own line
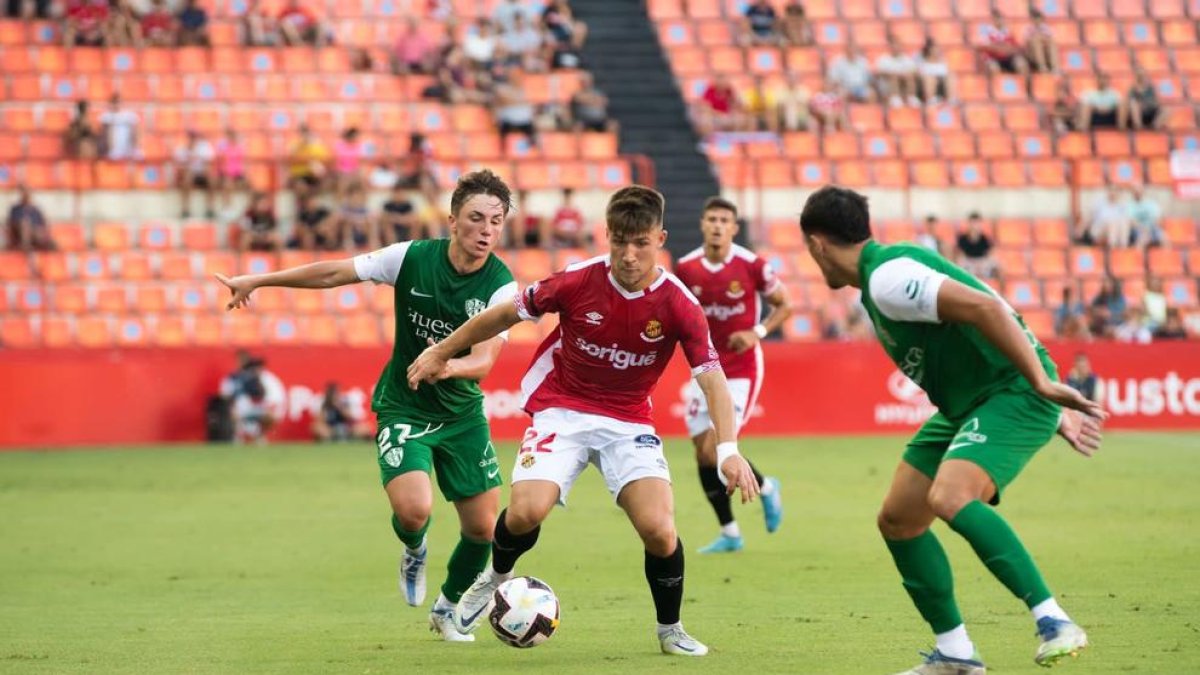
(513, 111)
(1155, 302)
(120, 133)
(793, 99)
(399, 220)
(720, 109)
(413, 51)
(258, 230)
(1111, 300)
(829, 110)
(258, 29)
(254, 412)
(589, 107)
(973, 249)
(159, 27)
(925, 234)
(1110, 223)
(352, 225)
(480, 45)
(299, 26)
(308, 162)
(937, 82)
(896, 76)
(524, 46)
(80, 139)
(1083, 379)
(1172, 328)
(452, 80)
(124, 25)
(507, 11)
(193, 25)
(568, 227)
(1071, 310)
(1103, 107)
(1146, 217)
(1136, 326)
(193, 169)
(1000, 50)
(361, 60)
(1076, 328)
(1039, 43)
(851, 73)
(231, 165)
(1144, 108)
(417, 169)
(27, 228)
(1064, 112)
(347, 160)
(311, 232)
(761, 25)
(526, 227)
(86, 23)
(762, 110)
(796, 28)
(566, 34)
(1100, 323)
(335, 421)
(28, 9)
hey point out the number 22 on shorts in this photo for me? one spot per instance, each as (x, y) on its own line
(528, 443)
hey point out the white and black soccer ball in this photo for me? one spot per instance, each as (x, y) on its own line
(524, 613)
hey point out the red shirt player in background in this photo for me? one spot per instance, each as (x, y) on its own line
(588, 390)
(727, 280)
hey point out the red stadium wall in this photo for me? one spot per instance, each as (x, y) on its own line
(65, 397)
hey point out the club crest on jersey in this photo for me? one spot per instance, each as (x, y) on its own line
(653, 332)
(474, 306)
(528, 460)
(735, 290)
(594, 318)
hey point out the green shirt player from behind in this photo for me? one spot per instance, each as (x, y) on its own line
(440, 283)
(998, 399)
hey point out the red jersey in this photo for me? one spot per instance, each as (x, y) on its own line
(729, 294)
(611, 345)
(719, 99)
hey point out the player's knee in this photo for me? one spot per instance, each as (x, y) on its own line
(524, 516)
(659, 538)
(412, 517)
(947, 500)
(897, 526)
(479, 531)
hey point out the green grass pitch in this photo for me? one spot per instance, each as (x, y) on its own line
(281, 560)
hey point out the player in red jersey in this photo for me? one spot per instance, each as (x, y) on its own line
(588, 390)
(727, 280)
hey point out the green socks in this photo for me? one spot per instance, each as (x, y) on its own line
(467, 561)
(927, 578)
(999, 548)
(411, 539)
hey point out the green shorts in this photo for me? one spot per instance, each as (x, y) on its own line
(460, 452)
(1000, 436)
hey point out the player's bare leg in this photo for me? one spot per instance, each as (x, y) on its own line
(730, 538)
(904, 522)
(651, 508)
(959, 496)
(516, 531)
(411, 496)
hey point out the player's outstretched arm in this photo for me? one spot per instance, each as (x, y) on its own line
(959, 303)
(431, 365)
(326, 274)
(733, 469)
(781, 309)
(477, 364)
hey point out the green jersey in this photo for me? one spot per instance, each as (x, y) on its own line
(955, 365)
(432, 299)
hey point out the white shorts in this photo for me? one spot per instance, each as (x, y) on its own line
(741, 390)
(560, 444)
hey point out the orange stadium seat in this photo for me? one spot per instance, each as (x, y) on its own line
(1048, 173)
(1086, 262)
(134, 265)
(1013, 261)
(970, 174)
(1009, 173)
(1181, 232)
(930, 174)
(170, 331)
(943, 118)
(995, 145)
(1181, 292)
(917, 145)
(840, 145)
(1049, 263)
(854, 174)
(891, 173)
(19, 331)
(361, 330)
(957, 145)
(1126, 263)
(867, 117)
(982, 117)
(1165, 262)
(812, 173)
(1111, 143)
(1179, 33)
(904, 119)
(801, 327)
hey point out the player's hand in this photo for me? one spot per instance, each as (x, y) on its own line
(431, 366)
(739, 476)
(240, 288)
(742, 341)
(1069, 398)
(1082, 432)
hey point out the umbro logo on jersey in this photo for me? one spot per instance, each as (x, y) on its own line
(594, 318)
(419, 294)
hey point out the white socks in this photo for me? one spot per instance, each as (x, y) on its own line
(955, 643)
(1048, 607)
(442, 603)
(731, 530)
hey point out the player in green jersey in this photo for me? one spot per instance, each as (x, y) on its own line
(999, 401)
(441, 427)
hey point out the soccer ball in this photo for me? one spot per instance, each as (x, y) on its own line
(525, 612)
